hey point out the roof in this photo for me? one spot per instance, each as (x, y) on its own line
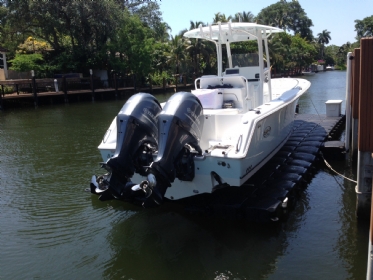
(231, 31)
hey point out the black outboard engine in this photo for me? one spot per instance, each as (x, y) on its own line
(179, 130)
(137, 136)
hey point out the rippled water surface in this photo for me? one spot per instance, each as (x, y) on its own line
(51, 228)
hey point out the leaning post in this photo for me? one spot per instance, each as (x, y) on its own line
(365, 137)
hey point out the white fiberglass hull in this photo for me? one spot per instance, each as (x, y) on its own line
(235, 145)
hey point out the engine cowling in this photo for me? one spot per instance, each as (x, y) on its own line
(180, 127)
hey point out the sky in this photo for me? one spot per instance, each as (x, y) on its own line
(336, 16)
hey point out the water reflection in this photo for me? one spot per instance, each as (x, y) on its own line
(169, 245)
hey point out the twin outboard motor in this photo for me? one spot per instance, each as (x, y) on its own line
(144, 128)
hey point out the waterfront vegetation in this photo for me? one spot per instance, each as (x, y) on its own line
(129, 38)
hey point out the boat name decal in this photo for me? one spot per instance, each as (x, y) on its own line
(267, 131)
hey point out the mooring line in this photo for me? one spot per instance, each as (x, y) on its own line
(316, 109)
(331, 168)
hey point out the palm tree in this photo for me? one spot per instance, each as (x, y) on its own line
(194, 25)
(323, 38)
(244, 17)
(176, 55)
(221, 17)
(161, 31)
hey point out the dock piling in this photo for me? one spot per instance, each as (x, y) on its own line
(365, 130)
(64, 87)
(355, 88)
(92, 85)
(34, 90)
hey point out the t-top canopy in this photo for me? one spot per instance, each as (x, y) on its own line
(232, 32)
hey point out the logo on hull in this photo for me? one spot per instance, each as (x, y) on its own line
(267, 132)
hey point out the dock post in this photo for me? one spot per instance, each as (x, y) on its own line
(115, 85)
(92, 85)
(348, 102)
(34, 91)
(176, 80)
(370, 245)
(355, 100)
(1, 99)
(64, 86)
(134, 83)
(150, 84)
(365, 138)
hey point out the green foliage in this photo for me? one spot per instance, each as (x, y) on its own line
(132, 48)
(129, 37)
(157, 78)
(288, 16)
(8, 89)
(27, 62)
(291, 52)
(364, 28)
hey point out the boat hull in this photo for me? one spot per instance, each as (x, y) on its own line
(269, 135)
(235, 145)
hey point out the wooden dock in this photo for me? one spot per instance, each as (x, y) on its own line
(44, 91)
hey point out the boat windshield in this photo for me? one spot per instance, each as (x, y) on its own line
(244, 60)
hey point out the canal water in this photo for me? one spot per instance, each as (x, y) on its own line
(50, 228)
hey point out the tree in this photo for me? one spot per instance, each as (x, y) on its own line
(176, 54)
(32, 45)
(77, 31)
(291, 52)
(219, 17)
(195, 24)
(302, 53)
(287, 16)
(131, 51)
(244, 17)
(323, 38)
(27, 62)
(161, 31)
(147, 11)
(364, 28)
